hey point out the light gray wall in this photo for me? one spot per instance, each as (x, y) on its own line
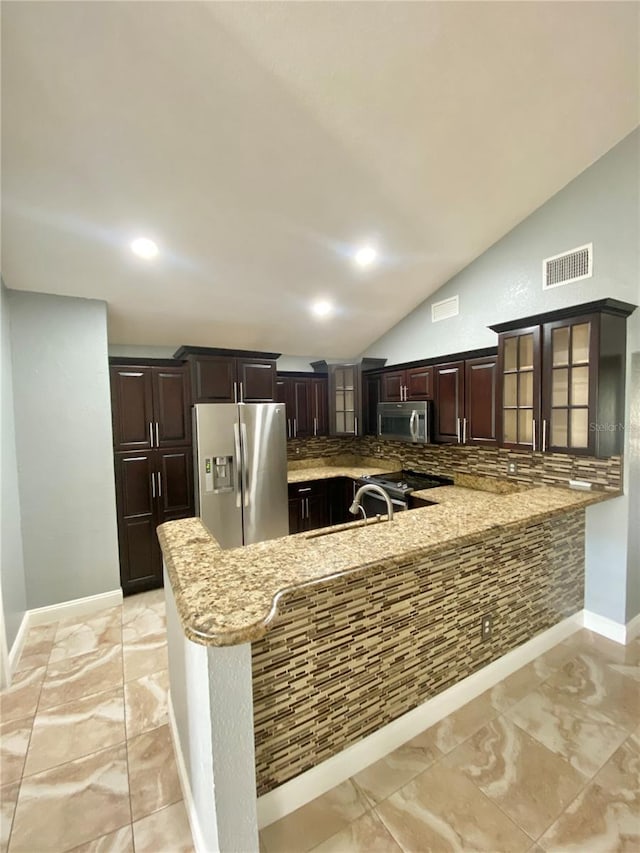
(64, 446)
(14, 598)
(601, 206)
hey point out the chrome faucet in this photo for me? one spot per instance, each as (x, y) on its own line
(370, 487)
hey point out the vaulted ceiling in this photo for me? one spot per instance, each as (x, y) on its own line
(260, 143)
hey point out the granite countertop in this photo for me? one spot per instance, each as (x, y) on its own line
(228, 597)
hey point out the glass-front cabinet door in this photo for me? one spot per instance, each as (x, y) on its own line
(519, 388)
(568, 384)
(344, 397)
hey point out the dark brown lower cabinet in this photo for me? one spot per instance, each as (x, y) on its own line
(151, 487)
(308, 506)
(319, 503)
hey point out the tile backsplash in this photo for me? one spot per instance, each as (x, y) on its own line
(446, 460)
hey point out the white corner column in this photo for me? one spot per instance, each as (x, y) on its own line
(211, 716)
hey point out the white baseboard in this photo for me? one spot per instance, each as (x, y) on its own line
(74, 608)
(18, 643)
(633, 629)
(183, 776)
(66, 609)
(316, 781)
(605, 627)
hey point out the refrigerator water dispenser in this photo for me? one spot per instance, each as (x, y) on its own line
(218, 474)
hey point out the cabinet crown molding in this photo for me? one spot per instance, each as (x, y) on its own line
(186, 351)
(600, 306)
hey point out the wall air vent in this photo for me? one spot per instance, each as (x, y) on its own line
(567, 267)
(445, 309)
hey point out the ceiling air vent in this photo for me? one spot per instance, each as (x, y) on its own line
(567, 267)
(445, 309)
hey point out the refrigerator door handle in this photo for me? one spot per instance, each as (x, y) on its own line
(245, 467)
(238, 464)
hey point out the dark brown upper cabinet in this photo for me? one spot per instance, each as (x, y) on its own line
(561, 380)
(400, 386)
(480, 383)
(305, 398)
(230, 376)
(150, 405)
(346, 394)
(449, 402)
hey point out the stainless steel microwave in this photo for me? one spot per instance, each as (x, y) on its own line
(406, 421)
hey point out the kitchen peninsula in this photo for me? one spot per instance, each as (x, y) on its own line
(285, 653)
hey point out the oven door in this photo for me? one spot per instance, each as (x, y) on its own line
(374, 504)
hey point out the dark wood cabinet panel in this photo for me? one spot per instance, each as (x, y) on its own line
(257, 380)
(154, 481)
(319, 406)
(140, 556)
(134, 484)
(231, 379)
(449, 395)
(412, 383)
(171, 402)
(305, 398)
(419, 383)
(480, 402)
(308, 506)
(175, 484)
(392, 386)
(371, 396)
(214, 379)
(340, 491)
(132, 407)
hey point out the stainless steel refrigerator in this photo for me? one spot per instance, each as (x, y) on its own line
(240, 463)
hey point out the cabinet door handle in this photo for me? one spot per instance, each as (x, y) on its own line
(241, 393)
(235, 391)
(533, 433)
(406, 395)
(306, 500)
(458, 429)
(153, 486)
(304, 490)
(288, 427)
(464, 430)
(355, 422)
(150, 433)
(157, 435)
(295, 427)
(379, 424)
(159, 485)
(315, 426)
(544, 435)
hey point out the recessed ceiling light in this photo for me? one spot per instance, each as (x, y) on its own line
(144, 248)
(365, 256)
(321, 309)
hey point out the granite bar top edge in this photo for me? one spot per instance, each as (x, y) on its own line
(187, 542)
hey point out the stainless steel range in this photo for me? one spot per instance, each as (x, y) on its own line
(398, 485)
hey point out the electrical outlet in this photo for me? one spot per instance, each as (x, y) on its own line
(486, 627)
(512, 468)
(297, 450)
(378, 448)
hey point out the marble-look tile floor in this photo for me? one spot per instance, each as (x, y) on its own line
(548, 760)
